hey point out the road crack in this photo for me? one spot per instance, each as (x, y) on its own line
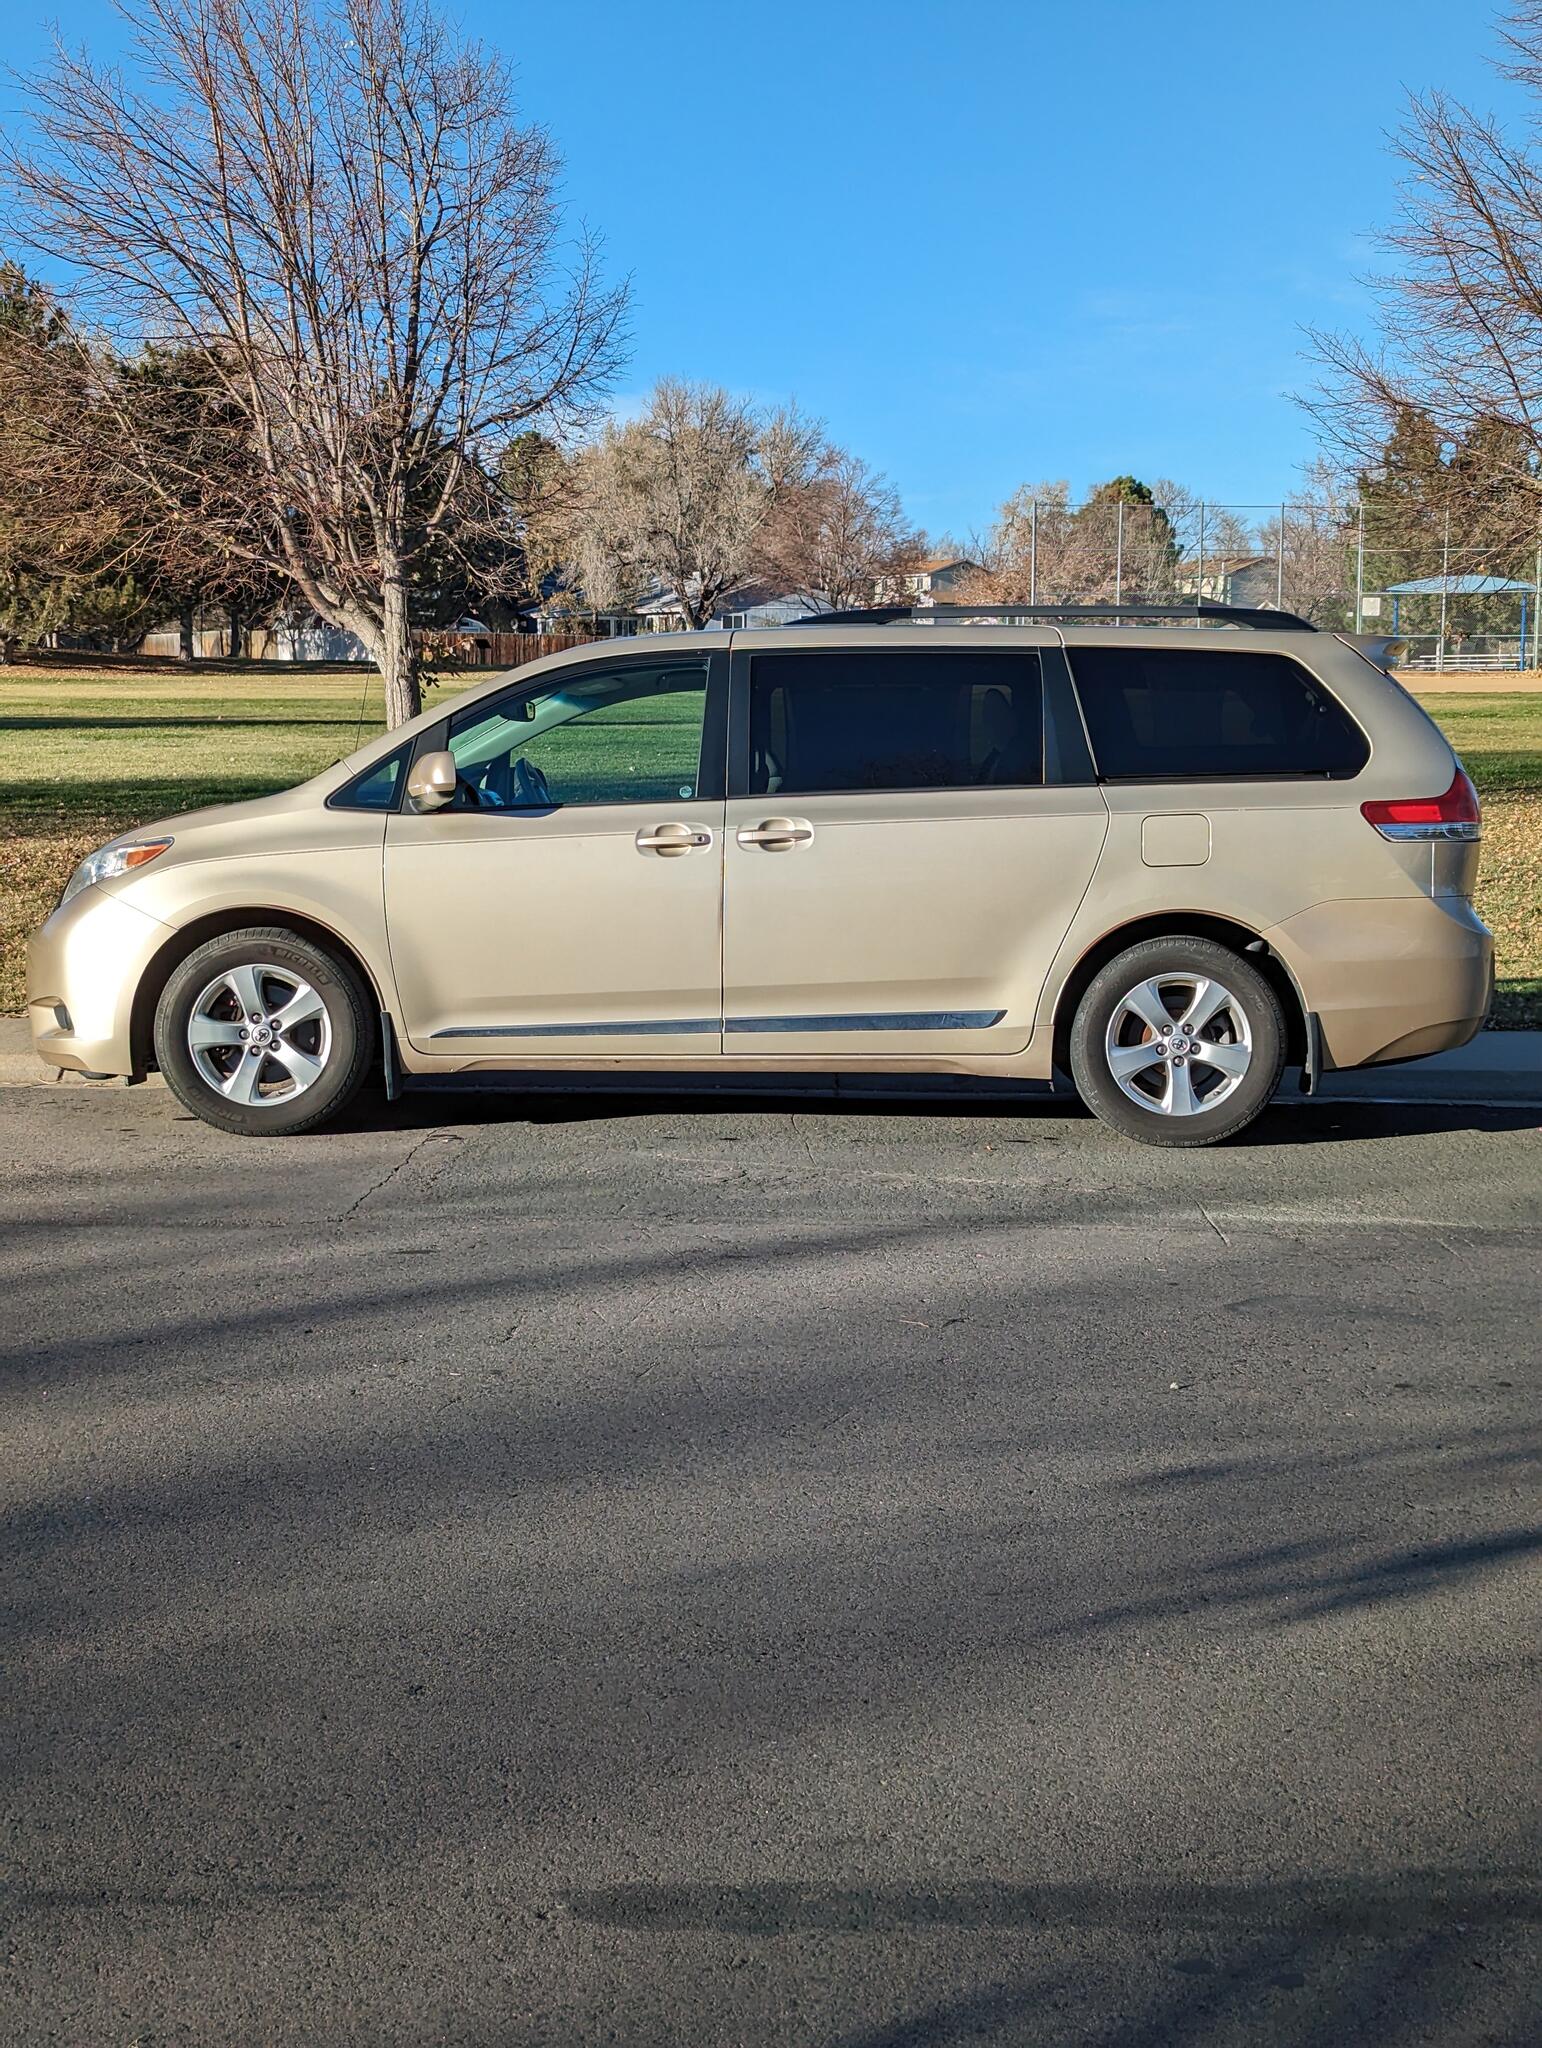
(1220, 1233)
(433, 1138)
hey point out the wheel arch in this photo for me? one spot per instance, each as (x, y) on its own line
(187, 938)
(1225, 931)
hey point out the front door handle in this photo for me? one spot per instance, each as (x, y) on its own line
(777, 835)
(667, 841)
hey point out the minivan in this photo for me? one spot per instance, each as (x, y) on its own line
(1159, 858)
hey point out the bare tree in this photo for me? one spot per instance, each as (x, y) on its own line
(1028, 553)
(684, 496)
(69, 555)
(334, 205)
(1460, 314)
(1042, 547)
(841, 535)
(1198, 525)
(539, 479)
(1311, 538)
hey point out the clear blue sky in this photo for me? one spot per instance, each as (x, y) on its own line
(989, 244)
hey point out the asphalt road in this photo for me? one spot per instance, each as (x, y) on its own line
(697, 1574)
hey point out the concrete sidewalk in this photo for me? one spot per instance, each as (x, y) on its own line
(1498, 1067)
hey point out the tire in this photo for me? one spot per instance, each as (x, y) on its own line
(1217, 1072)
(225, 996)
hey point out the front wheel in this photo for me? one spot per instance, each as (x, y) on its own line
(1178, 1041)
(263, 1033)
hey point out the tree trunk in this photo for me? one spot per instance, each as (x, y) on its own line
(188, 651)
(236, 642)
(396, 657)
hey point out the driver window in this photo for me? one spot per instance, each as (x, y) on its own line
(619, 736)
(627, 735)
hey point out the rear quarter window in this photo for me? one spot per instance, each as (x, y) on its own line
(1196, 715)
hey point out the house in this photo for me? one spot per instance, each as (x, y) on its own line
(933, 581)
(750, 604)
(766, 604)
(1230, 579)
(565, 617)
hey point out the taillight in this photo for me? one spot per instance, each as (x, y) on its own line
(1452, 816)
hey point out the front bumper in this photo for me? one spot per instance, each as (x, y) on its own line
(83, 967)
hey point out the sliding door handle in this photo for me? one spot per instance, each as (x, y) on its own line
(777, 835)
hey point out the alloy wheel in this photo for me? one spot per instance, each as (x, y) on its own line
(259, 1034)
(1179, 1043)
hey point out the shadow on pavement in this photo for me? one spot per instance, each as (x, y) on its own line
(1378, 1906)
(1286, 1122)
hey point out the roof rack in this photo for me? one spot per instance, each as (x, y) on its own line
(1257, 617)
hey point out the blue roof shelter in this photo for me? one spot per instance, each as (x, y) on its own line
(1464, 586)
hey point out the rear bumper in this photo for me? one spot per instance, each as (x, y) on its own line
(83, 967)
(1390, 978)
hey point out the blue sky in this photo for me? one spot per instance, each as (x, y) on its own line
(990, 244)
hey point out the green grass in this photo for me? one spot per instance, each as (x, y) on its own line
(88, 747)
(1499, 738)
(642, 749)
(83, 757)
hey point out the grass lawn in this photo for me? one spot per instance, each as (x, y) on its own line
(84, 757)
(1499, 738)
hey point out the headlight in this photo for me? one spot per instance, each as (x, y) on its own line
(117, 859)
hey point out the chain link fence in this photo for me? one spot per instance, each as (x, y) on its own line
(1413, 574)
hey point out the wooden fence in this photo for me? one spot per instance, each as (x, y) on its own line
(509, 650)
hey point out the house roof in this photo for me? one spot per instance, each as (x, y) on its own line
(749, 595)
(935, 562)
(744, 597)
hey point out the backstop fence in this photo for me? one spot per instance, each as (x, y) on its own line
(1424, 577)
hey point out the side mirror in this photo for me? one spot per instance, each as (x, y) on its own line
(431, 785)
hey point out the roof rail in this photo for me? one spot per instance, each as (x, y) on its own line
(1257, 617)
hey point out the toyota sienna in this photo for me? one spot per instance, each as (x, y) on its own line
(1163, 859)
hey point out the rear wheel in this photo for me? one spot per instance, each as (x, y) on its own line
(1178, 1041)
(264, 1033)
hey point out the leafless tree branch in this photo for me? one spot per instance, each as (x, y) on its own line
(333, 208)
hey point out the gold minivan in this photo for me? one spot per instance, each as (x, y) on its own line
(1163, 859)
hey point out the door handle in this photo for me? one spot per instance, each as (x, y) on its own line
(669, 840)
(777, 835)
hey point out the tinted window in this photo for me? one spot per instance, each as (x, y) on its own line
(866, 718)
(1196, 714)
(375, 789)
(1066, 756)
(628, 735)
